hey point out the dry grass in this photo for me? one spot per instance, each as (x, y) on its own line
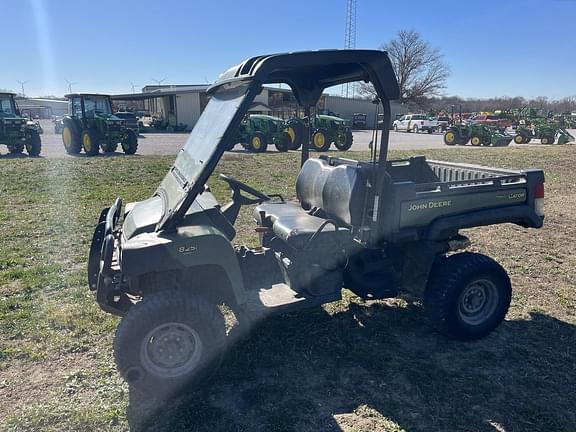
(351, 366)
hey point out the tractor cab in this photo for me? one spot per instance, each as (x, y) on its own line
(90, 125)
(16, 131)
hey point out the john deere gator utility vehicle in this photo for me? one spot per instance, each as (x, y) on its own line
(90, 125)
(377, 227)
(257, 131)
(327, 130)
(547, 131)
(476, 134)
(16, 132)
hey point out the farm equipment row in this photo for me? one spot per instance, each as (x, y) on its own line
(477, 134)
(257, 131)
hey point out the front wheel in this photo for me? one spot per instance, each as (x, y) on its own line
(450, 138)
(257, 143)
(344, 141)
(467, 296)
(90, 142)
(130, 143)
(169, 342)
(283, 142)
(320, 141)
(34, 144)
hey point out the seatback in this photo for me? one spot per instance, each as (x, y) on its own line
(339, 191)
(344, 194)
(310, 183)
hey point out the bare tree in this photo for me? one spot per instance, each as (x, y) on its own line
(420, 69)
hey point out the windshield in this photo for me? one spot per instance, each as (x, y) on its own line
(97, 105)
(208, 131)
(7, 106)
(196, 155)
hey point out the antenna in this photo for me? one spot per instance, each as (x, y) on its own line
(133, 86)
(349, 89)
(22, 85)
(70, 84)
(159, 82)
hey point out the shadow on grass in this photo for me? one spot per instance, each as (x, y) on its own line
(378, 368)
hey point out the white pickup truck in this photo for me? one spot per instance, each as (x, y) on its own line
(415, 123)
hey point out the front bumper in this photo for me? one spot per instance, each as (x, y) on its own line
(104, 275)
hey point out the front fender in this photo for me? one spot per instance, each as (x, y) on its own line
(186, 247)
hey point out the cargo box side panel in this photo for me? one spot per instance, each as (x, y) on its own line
(421, 212)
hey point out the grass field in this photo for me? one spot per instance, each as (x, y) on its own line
(350, 366)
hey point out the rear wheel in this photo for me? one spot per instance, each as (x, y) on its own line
(71, 140)
(130, 143)
(257, 143)
(520, 138)
(344, 141)
(475, 140)
(169, 342)
(320, 142)
(90, 142)
(34, 144)
(547, 140)
(467, 296)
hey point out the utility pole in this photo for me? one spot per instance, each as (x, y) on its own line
(70, 84)
(133, 86)
(22, 85)
(349, 89)
(159, 82)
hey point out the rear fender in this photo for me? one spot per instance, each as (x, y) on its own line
(184, 249)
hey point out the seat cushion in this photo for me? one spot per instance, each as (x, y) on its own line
(267, 213)
(298, 229)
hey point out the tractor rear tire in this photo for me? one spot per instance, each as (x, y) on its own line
(346, 143)
(169, 343)
(34, 144)
(16, 148)
(130, 145)
(257, 143)
(284, 144)
(320, 141)
(467, 295)
(71, 140)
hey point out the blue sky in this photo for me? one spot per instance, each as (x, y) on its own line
(495, 48)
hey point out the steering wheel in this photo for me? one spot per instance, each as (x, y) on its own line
(238, 186)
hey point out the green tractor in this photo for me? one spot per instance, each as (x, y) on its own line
(327, 130)
(477, 134)
(548, 132)
(258, 130)
(90, 125)
(15, 131)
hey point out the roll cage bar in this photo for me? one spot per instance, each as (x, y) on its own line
(308, 74)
